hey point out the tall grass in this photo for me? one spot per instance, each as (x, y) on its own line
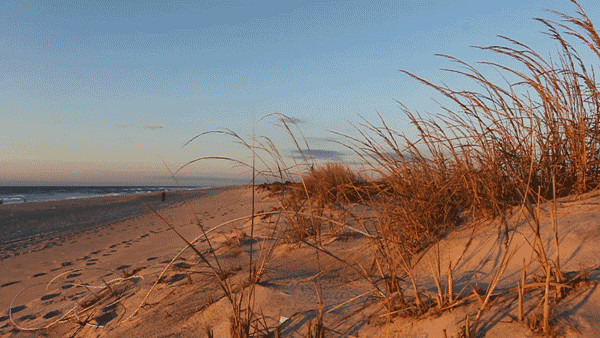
(508, 144)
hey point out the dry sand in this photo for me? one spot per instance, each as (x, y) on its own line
(87, 238)
(128, 255)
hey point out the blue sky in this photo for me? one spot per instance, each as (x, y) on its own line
(104, 92)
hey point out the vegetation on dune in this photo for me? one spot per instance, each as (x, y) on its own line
(511, 144)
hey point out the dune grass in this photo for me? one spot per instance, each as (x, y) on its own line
(492, 153)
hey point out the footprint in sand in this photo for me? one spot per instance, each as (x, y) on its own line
(106, 317)
(67, 263)
(182, 265)
(95, 252)
(151, 258)
(17, 308)
(66, 286)
(172, 279)
(50, 296)
(109, 308)
(27, 317)
(113, 246)
(40, 274)
(73, 275)
(123, 267)
(144, 235)
(52, 314)
(9, 283)
(3, 318)
(177, 277)
(90, 263)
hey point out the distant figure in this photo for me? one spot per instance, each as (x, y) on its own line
(1, 201)
(163, 195)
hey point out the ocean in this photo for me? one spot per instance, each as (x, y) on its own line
(24, 194)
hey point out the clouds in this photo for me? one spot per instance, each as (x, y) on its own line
(152, 127)
(320, 154)
(294, 120)
(287, 119)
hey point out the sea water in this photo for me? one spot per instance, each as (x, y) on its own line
(23, 194)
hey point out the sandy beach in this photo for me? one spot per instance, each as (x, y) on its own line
(95, 235)
(28, 227)
(127, 275)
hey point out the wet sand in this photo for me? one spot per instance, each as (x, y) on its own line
(27, 227)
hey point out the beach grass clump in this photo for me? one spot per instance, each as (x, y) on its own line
(509, 144)
(496, 148)
(317, 200)
(332, 183)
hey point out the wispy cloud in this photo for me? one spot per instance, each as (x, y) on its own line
(151, 127)
(320, 154)
(287, 119)
(125, 139)
(323, 140)
(123, 125)
(395, 156)
(294, 120)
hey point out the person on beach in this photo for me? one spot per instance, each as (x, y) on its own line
(163, 195)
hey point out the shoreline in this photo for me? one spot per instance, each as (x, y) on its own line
(132, 242)
(24, 226)
(35, 196)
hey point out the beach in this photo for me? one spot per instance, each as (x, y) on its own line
(50, 280)
(28, 227)
(130, 273)
(44, 239)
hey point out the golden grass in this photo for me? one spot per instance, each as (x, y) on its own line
(502, 150)
(508, 145)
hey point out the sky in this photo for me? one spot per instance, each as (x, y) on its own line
(108, 92)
